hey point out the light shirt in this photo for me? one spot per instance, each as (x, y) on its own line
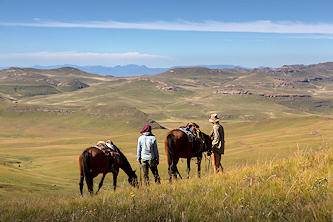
(147, 147)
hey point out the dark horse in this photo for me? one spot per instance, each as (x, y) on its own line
(177, 145)
(93, 161)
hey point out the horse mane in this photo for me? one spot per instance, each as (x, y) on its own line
(206, 139)
(125, 166)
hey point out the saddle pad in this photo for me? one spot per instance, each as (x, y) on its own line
(189, 134)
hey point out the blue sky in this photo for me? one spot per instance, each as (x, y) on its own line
(165, 33)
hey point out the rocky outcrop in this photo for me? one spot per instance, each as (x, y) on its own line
(165, 86)
(283, 83)
(314, 80)
(266, 95)
(284, 95)
(287, 69)
(74, 84)
(33, 108)
(232, 92)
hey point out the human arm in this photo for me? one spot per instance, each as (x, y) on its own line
(139, 149)
(215, 135)
(155, 150)
(222, 136)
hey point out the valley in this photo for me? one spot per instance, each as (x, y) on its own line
(47, 117)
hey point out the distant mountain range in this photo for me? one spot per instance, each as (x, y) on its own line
(126, 70)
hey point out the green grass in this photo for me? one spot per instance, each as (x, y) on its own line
(27, 91)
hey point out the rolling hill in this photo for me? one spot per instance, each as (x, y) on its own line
(123, 70)
(49, 116)
(182, 92)
(26, 82)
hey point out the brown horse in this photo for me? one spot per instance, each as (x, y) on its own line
(93, 161)
(177, 145)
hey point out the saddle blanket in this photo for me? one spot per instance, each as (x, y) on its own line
(189, 134)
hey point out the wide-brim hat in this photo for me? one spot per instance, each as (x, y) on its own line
(146, 128)
(213, 118)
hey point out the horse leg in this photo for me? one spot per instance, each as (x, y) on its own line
(173, 168)
(188, 167)
(100, 183)
(81, 183)
(170, 174)
(199, 166)
(115, 175)
(90, 184)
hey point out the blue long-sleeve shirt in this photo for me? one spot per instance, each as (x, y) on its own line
(147, 147)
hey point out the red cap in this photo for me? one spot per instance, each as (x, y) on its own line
(146, 128)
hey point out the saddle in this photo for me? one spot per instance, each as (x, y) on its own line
(189, 134)
(114, 156)
(192, 131)
(106, 147)
(102, 146)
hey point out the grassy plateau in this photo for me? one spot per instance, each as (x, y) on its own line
(278, 158)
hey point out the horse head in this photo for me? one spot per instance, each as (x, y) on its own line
(206, 142)
(133, 179)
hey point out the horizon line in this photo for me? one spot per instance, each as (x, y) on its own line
(169, 67)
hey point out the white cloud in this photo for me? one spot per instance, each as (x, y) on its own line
(329, 37)
(262, 26)
(79, 58)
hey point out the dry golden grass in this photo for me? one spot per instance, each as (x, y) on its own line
(298, 188)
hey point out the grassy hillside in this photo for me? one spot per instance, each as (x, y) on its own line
(193, 93)
(295, 189)
(17, 83)
(39, 145)
(267, 115)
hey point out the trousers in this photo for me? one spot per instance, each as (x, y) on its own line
(217, 162)
(146, 165)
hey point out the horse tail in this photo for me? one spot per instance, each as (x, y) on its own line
(86, 170)
(171, 147)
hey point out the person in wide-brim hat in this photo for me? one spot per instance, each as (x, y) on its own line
(213, 118)
(217, 136)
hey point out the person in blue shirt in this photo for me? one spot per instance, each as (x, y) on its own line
(147, 154)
